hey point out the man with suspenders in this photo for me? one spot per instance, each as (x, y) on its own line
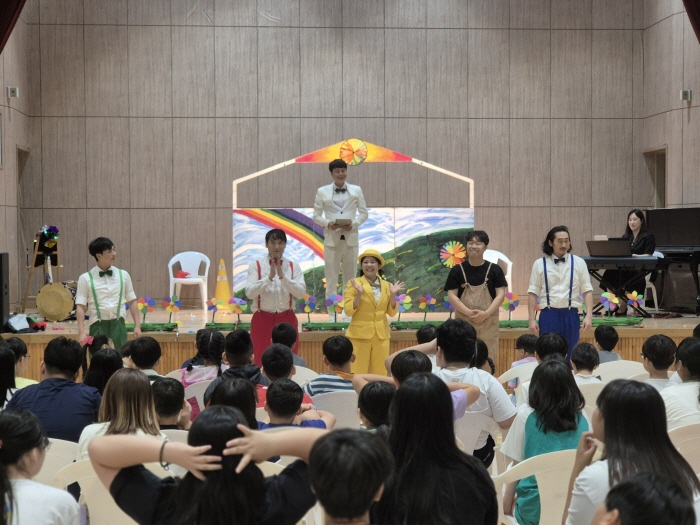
(102, 292)
(559, 279)
(272, 285)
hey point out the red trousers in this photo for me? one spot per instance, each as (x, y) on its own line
(261, 330)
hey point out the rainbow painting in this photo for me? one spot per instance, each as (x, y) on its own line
(354, 152)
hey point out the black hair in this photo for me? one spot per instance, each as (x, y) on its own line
(277, 362)
(103, 365)
(606, 336)
(481, 355)
(224, 496)
(97, 343)
(422, 439)
(636, 437)
(585, 357)
(125, 350)
(551, 235)
(285, 334)
(696, 331)
(238, 347)
(63, 357)
(18, 347)
(210, 347)
(551, 343)
(642, 227)
(555, 397)
(145, 352)
(457, 340)
(380, 272)
(374, 401)
(689, 354)
(169, 396)
(478, 235)
(20, 432)
(276, 235)
(660, 350)
(426, 333)
(239, 393)
(337, 163)
(348, 458)
(284, 398)
(338, 350)
(650, 499)
(100, 245)
(527, 343)
(409, 362)
(7, 372)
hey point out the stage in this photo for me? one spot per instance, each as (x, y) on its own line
(179, 346)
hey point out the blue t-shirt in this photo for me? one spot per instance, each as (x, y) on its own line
(308, 423)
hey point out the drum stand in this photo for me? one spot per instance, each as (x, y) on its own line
(47, 265)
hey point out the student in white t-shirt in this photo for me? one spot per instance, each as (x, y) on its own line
(658, 355)
(682, 401)
(584, 361)
(23, 445)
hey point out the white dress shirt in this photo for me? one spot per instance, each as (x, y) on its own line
(274, 296)
(559, 277)
(107, 290)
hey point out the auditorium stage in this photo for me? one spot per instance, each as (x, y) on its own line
(179, 346)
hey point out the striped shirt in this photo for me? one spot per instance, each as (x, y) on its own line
(330, 382)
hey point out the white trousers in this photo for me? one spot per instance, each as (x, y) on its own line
(336, 257)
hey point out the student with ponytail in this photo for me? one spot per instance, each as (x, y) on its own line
(210, 348)
(23, 445)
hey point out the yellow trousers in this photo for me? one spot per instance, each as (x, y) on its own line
(370, 355)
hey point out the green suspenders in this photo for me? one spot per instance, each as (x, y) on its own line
(94, 295)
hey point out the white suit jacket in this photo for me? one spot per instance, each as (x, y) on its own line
(326, 211)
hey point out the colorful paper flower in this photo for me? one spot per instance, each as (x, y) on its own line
(172, 304)
(453, 253)
(404, 302)
(213, 307)
(237, 305)
(334, 304)
(145, 305)
(427, 302)
(609, 301)
(448, 304)
(634, 299)
(307, 304)
(511, 301)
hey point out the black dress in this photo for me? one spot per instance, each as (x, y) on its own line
(646, 244)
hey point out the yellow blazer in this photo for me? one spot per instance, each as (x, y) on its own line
(369, 318)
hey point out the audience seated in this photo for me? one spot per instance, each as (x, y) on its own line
(22, 453)
(349, 458)
(171, 407)
(584, 361)
(238, 353)
(125, 352)
(7, 374)
(21, 361)
(127, 408)
(658, 355)
(373, 407)
(206, 365)
(482, 359)
(277, 364)
(90, 348)
(605, 339)
(553, 421)
(238, 393)
(682, 400)
(525, 352)
(286, 334)
(284, 404)
(630, 421)
(103, 365)
(63, 406)
(338, 356)
(547, 345)
(426, 334)
(145, 355)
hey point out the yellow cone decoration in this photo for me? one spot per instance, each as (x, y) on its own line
(223, 292)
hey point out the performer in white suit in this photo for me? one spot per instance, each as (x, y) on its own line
(339, 202)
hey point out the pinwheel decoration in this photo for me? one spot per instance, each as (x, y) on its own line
(453, 253)
(448, 304)
(213, 307)
(404, 303)
(510, 302)
(609, 301)
(635, 300)
(145, 305)
(334, 304)
(427, 303)
(172, 304)
(307, 305)
(237, 306)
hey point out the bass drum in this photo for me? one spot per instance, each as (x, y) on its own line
(56, 301)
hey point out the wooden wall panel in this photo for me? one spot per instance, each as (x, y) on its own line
(571, 74)
(278, 72)
(30, 12)
(278, 13)
(370, 176)
(317, 133)
(612, 74)
(448, 147)
(578, 219)
(151, 249)
(363, 13)
(363, 92)
(642, 181)
(20, 61)
(150, 70)
(610, 221)
(63, 162)
(571, 14)
(530, 162)
(496, 222)
(489, 14)
(195, 230)
(11, 217)
(691, 156)
(3, 229)
(667, 129)
(194, 162)
(30, 222)
(62, 70)
(106, 71)
(321, 73)
(107, 162)
(236, 157)
(448, 13)
(489, 72)
(448, 68)
(530, 74)
(612, 162)
(61, 11)
(32, 175)
(405, 13)
(321, 13)
(115, 224)
(100, 12)
(489, 161)
(151, 162)
(571, 162)
(613, 15)
(72, 224)
(638, 74)
(656, 10)
(149, 12)
(405, 80)
(238, 13)
(224, 241)
(530, 14)
(691, 59)
(525, 242)
(279, 140)
(192, 12)
(663, 65)
(194, 89)
(236, 58)
(406, 184)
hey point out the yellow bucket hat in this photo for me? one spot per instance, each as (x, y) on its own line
(371, 253)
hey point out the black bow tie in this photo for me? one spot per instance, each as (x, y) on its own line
(106, 272)
(341, 190)
(557, 261)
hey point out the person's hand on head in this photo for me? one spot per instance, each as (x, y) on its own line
(191, 458)
(253, 446)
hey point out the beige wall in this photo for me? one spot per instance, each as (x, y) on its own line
(142, 112)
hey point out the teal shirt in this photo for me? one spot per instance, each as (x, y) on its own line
(527, 507)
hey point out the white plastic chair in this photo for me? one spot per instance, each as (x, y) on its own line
(469, 427)
(640, 377)
(649, 285)
(260, 414)
(60, 454)
(190, 262)
(552, 472)
(619, 370)
(175, 374)
(197, 390)
(687, 440)
(303, 375)
(590, 392)
(343, 405)
(493, 256)
(175, 435)
(522, 372)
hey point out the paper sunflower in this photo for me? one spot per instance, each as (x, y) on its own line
(634, 299)
(453, 253)
(609, 301)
